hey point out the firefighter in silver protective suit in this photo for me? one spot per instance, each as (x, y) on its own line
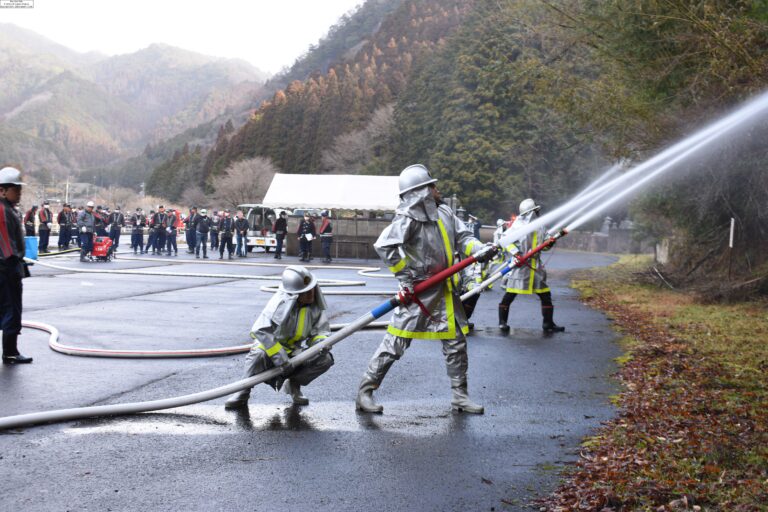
(294, 317)
(529, 278)
(418, 244)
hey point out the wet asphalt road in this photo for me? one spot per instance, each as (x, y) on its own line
(542, 395)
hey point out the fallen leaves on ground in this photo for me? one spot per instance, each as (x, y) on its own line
(692, 432)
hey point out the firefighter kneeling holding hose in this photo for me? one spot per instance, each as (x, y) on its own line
(293, 317)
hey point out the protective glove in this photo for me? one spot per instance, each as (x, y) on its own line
(405, 292)
(491, 250)
(552, 241)
(83, 229)
(517, 256)
(287, 368)
(283, 361)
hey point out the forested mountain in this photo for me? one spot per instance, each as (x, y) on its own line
(509, 99)
(344, 41)
(299, 122)
(65, 112)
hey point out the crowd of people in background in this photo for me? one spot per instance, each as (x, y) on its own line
(155, 232)
(218, 231)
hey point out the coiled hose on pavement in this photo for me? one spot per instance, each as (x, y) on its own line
(341, 331)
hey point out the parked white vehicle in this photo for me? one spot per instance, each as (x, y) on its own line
(260, 219)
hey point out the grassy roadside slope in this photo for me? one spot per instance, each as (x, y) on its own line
(692, 430)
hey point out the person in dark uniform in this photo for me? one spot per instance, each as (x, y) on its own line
(215, 218)
(241, 229)
(86, 224)
(12, 266)
(152, 238)
(73, 228)
(326, 237)
(64, 219)
(474, 225)
(189, 232)
(116, 222)
(158, 221)
(226, 232)
(280, 229)
(306, 233)
(138, 221)
(29, 221)
(100, 221)
(202, 228)
(170, 230)
(45, 222)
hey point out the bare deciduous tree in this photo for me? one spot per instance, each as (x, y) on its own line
(243, 182)
(352, 152)
(194, 196)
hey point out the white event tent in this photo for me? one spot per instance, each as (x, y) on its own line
(333, 191)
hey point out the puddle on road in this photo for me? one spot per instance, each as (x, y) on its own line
(401, 418)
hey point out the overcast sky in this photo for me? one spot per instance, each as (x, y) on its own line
(270, 34)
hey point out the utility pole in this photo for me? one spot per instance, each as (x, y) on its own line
(730, 247)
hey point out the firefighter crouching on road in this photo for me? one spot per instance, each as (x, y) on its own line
(294, 316)
(532, 277)
(12, 266)
(418, 244)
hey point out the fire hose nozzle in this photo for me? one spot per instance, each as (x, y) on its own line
(559, 234)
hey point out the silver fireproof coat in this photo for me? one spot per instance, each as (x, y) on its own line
(420, 242)
(531, 277)
(284, 326)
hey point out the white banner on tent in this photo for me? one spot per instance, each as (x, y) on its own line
(333, 191)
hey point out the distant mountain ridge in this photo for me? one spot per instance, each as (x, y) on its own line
(67, 111)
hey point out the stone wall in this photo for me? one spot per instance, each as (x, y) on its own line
(351, 239)
(617, 241)
(355, 239)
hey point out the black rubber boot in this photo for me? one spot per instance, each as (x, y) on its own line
(503, 316)
(11, 352)
(548, 325)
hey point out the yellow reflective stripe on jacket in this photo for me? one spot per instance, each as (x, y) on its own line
(532, 276)
(453, 280)
(300, 325)
(274, 349)
(442, 335)
(319, 337)
(533, 263)
(468, 250)
(400, 265)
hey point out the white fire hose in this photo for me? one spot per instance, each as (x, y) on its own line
(132, 408)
